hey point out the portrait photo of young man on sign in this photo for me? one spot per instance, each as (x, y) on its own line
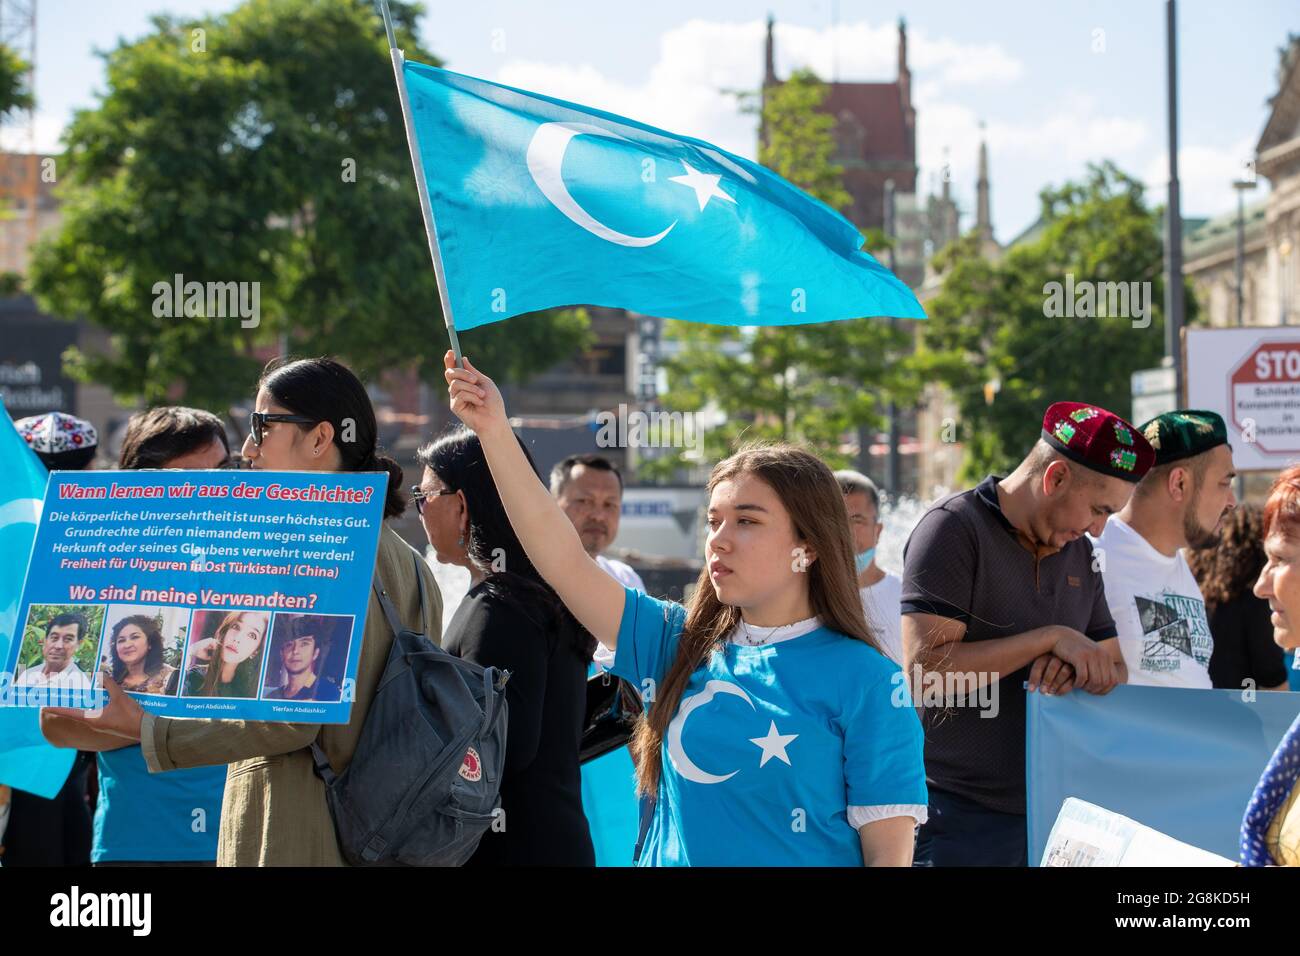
(308, 654)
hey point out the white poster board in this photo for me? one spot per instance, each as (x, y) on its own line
(1250, 376)
(1089, 835)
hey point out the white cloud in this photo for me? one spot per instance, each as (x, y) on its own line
(1205, 175)
(46, 131)
(683, 91)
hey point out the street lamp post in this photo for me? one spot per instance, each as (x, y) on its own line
(1174, 215)
(1241, 185)
(892, 467)
(1286, 278)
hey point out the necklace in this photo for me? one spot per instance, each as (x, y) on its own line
(752, 641)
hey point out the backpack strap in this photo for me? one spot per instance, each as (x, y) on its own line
(390, 612)
(419, 582)
(647, 814)
(323, 768)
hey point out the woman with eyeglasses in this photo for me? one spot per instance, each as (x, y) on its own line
(512, 620)
(310, 415)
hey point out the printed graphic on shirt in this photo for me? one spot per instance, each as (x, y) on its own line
(1174, 628)
(773, 745)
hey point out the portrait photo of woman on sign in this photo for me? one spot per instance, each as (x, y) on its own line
(143, 648)
(226, 653)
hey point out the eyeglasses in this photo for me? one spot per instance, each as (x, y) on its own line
(420, 496)
(257, 423)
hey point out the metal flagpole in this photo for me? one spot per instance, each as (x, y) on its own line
(420, 184)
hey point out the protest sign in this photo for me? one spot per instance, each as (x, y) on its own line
(231, 594)
(1196, 754)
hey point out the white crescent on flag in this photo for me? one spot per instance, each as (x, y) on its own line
(546, 159)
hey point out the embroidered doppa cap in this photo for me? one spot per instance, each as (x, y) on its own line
(1098, 439)
(1184, 433)
(62, 442)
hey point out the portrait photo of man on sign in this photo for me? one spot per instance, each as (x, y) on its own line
(308, 652)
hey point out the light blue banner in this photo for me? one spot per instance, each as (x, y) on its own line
(232, 594)
(542, 203)
(1181, 761)
(609, 800)
(26, 760)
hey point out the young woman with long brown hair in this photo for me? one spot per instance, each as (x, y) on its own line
(776, 732)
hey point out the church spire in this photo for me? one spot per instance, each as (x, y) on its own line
(983, 219)
(769, 64)
(904, 74)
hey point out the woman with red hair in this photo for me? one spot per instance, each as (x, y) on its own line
(1270, 830)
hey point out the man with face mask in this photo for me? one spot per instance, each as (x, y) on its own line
(1153, 596)
(879, 589)
(999, 592)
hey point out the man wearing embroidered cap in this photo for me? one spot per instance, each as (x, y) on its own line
(1181, 502)
(62, 442)
(999, 590)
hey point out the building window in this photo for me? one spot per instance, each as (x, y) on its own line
(850, 139)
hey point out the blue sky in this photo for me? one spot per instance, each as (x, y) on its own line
(1058, 84)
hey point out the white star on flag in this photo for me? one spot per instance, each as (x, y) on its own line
(704, 184)
(773, 745)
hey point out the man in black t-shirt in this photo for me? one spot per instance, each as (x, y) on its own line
(999, 588)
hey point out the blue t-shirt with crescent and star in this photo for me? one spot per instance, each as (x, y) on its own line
(770, 745)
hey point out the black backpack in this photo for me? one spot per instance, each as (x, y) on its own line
(423, 786)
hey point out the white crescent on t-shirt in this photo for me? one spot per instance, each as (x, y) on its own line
(1158, 609)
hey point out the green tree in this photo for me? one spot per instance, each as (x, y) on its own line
(810, 383)
(15, 94)
(261, 146)
(994, 323)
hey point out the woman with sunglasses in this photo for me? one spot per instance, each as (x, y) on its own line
(310, 415)
(512, 620)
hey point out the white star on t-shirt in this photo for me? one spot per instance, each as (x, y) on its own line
(773, 745)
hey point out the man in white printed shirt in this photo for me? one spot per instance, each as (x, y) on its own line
(1164, 633)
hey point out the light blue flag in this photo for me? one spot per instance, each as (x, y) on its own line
(541, 203)
(1182, 761)
(26, 760)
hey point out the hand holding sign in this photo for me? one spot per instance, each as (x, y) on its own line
(116, 725)
(190, 604)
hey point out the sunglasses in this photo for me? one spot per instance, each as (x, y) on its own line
(257, 423)
(420, 496)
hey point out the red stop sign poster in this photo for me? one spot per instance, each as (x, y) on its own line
(1264, 397)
